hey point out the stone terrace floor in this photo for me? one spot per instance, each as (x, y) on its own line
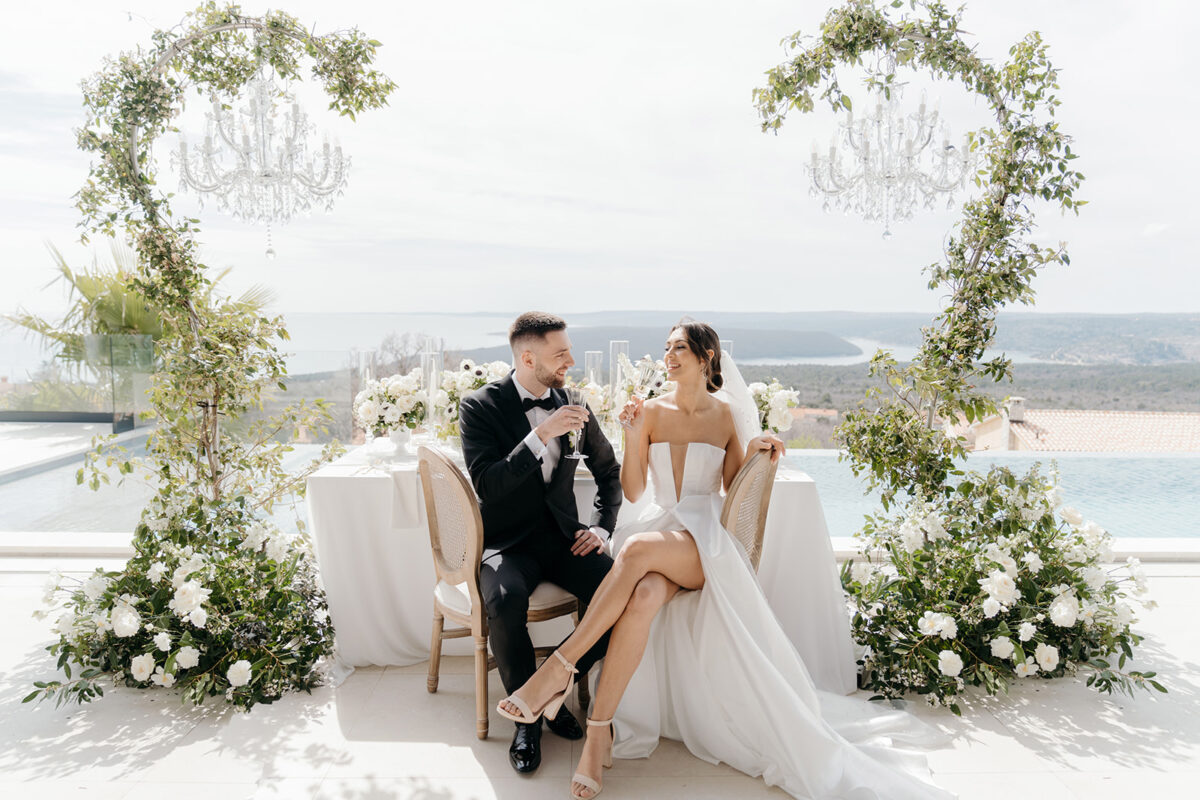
(380, 735)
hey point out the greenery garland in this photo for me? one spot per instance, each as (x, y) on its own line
(215, 600)
(922, 588)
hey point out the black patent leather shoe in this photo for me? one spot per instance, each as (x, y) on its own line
(565, 725)
(525, 755)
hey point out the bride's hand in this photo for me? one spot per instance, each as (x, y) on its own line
(766, 442)
(631, 415)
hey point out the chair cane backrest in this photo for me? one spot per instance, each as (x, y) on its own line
(455, 526)
(744, 513)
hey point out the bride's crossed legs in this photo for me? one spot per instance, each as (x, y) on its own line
(649, 569)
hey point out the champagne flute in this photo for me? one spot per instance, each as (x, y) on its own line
(577, 396)
(647, 371)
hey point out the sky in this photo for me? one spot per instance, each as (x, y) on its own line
(582, 157)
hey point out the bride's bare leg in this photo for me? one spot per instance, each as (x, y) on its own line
(671, 553)
(626, 645)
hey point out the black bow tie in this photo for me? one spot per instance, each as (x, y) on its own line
(546, 402)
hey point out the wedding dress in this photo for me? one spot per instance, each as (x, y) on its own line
(720, 675)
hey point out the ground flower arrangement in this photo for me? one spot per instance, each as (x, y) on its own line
(214, 602)
(995, 582)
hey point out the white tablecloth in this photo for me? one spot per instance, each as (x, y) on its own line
(372, 546)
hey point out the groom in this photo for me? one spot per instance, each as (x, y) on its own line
(514, 434)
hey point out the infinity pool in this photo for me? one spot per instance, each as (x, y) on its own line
(1130, 495)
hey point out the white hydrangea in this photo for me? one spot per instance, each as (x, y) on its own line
(1003, 647)
(95, 587)
(949, 663)
(187, 657)
(239, 673)
(1064, 610)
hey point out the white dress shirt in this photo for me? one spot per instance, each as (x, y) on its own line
(546, 452)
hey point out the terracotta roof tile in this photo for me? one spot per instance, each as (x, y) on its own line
(1097, 431)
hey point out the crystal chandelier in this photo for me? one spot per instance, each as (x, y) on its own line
(891, 166)
(257, 162)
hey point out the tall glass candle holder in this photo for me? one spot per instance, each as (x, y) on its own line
(616, 349)
(593, 367)
(431, 383)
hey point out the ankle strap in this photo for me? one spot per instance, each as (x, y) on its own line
(600, 722)
(570, 667)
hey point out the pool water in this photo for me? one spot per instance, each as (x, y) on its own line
(1130, 495)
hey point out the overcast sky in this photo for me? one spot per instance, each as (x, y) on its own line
(584, 156)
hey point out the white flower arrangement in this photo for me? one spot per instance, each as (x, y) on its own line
(458, 383)
(774, 403)
(994, 581)
(391, 403)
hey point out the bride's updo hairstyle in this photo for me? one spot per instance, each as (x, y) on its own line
(700, 339)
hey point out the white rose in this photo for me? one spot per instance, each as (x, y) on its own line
(198, 617)
(949, 663)
(125, 621)
(912, 538)
(188, 597)
(66, 624)
(1033, 561)
(156, 572)
(1003, 647)
(1054, 497)
(1071, 516)
(163, 679)
(1047, 656)
(163, 641)
(187, 657)
(94, 587)
(1026, 631)
(933, 526)
(1001, 586)
(239, 673)
(991, 607)
(757, 388)
(142, 667)
(256, 534)
(1064, 610)
(929, 624)
(1006, 562)
(1028, 669)
(1124, 614)
(948, 628)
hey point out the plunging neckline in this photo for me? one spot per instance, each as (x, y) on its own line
(678, 477)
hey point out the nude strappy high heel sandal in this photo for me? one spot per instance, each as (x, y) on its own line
(552, 705)
(591, 783)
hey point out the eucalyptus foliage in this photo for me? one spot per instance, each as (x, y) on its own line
(900, 437)
(240, 592)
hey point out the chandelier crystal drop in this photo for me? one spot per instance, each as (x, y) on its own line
(889, 165)
(257, 162)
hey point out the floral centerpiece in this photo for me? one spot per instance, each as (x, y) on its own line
(223, 604)
(390, 404)
(458, 383)
(774, 402)
(994, 582)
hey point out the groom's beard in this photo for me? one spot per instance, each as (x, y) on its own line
(547, 378)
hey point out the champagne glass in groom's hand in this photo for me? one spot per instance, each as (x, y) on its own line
(576, 396)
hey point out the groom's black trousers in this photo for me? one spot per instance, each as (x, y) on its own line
(509, 577)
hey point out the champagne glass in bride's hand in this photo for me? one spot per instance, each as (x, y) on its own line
(647, 372)
(576, 396)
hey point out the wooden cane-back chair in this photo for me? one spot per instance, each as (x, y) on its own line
(456, 537)
(744, 513)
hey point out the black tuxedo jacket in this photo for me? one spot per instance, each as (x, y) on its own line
(514, 501)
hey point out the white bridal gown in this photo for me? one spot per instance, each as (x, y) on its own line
(720, 675)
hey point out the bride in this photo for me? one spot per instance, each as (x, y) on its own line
(696, 653)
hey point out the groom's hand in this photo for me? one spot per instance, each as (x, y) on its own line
(563, 420)
(586, 541)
